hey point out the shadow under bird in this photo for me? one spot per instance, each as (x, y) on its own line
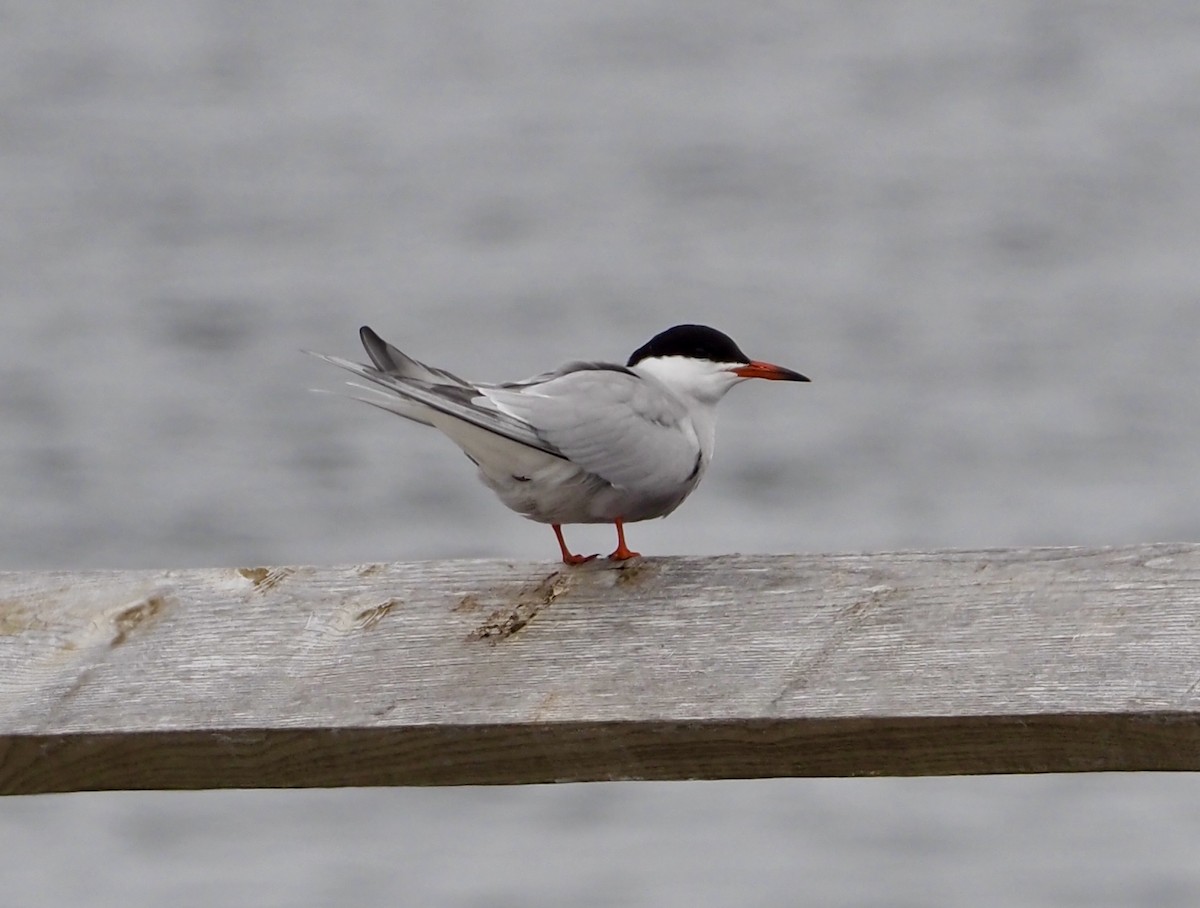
(590, 442)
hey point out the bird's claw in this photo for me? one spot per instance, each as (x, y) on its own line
(579, 559)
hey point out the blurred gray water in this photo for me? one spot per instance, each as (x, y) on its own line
(974, 225)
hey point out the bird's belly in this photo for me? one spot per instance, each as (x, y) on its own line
(560, 492)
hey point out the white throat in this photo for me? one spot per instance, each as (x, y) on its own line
(698, 380)
(700, 384)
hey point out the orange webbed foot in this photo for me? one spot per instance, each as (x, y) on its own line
(622, 552)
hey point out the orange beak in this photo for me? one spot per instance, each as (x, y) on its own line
(756, 369)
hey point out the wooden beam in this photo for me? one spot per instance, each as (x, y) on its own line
(490, 672)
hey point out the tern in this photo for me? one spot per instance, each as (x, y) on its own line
(589, 442)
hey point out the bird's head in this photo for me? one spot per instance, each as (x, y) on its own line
(702, 362)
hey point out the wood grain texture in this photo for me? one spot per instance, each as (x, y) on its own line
(489, 672)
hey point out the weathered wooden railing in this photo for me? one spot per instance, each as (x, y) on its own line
(482, 672)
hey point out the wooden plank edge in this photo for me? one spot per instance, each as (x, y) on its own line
(599, 751)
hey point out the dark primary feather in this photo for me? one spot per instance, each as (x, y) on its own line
(391, 361)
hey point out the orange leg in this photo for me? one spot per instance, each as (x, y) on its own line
(622, 553)
(568, 558)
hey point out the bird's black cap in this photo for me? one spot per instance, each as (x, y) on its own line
(696, 341)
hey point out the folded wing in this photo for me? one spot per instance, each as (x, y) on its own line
(621, 427)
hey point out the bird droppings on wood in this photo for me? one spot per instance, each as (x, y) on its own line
(255, 575)
(552, 587)
(136, 615)
(14, 618)
(369, 617)
(350, 617)
(503, 623)
(875, 595)
(467, 603)
(631, 571)
(265, 578)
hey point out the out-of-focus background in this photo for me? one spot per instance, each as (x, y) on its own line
(974, 225)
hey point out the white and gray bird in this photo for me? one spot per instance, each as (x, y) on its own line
(590, 442)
